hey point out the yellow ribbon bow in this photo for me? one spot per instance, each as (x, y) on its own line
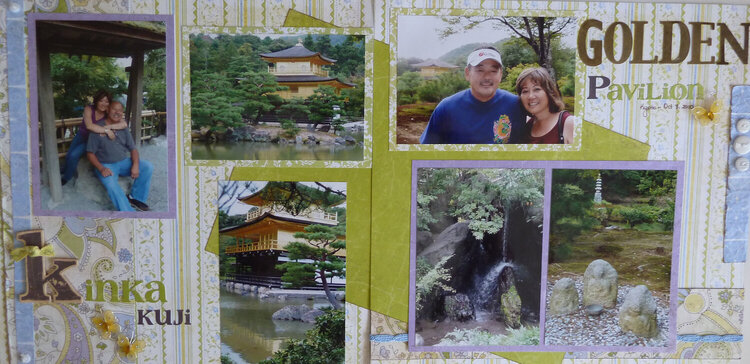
(19, 254)
(709, 116)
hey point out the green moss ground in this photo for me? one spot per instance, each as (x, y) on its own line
(645, 258)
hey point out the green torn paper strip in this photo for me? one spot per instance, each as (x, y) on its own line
(295, 18)
(212, 246)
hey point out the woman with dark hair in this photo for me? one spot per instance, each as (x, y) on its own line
(549, 122)
(93, 121)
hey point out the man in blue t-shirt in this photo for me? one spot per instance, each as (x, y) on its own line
(481, 114)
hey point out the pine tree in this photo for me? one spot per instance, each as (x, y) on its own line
(258, 94)
(321, 244)
(321, 106)
(212, 102)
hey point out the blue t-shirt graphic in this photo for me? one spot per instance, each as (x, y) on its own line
(462, 119)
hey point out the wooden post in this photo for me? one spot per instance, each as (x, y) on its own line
(129, 102)
(47, 118)
(135, 98)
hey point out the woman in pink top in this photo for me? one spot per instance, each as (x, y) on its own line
(93, 116)
(549, 122)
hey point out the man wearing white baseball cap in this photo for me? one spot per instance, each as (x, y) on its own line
(482, 114)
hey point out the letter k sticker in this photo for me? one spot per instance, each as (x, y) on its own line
(38, 279)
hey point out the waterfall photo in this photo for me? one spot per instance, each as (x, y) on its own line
(476, 274)
(611, 258)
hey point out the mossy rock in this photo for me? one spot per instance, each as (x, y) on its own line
(510, 303)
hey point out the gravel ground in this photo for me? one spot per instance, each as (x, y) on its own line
(86, 193)
(580, 329)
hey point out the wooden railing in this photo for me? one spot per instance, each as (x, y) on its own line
(274, 118)
(331, 216)
(318, 215)
(253, 214)
(274, 282)
(263, 281)
(318, 72)
(269, 244)
(151, 123)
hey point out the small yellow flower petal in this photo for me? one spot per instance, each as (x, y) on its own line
(130, 349)
(138, 346)
(717, 106)
(109, 317)
(98, 322)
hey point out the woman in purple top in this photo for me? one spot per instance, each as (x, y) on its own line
(93, 115)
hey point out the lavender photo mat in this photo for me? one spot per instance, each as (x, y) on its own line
(548, 166)
(34, 115)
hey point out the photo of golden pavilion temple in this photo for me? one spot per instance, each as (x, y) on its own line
(268, 227)
(302, 71)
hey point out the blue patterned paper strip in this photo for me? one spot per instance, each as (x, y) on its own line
(389, 338)
(710, 338)
(19, 166)
(738, 185)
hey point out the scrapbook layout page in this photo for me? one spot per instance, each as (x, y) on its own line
(374, 181)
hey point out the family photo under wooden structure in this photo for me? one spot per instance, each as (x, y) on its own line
(117, 39)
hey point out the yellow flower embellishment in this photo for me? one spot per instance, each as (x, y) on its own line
(709, 116)
(107, 324)
(129, 347)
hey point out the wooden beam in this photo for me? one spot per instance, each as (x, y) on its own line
(84, 50)
(116, 29)
(47, 119)
(135, 98)
(106, 28)
(100, 38)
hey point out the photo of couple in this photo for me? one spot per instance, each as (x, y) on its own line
(105, 138)
(101, 115)
(516, 90)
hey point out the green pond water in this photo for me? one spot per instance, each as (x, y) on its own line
(272, 151)
(248, 334)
